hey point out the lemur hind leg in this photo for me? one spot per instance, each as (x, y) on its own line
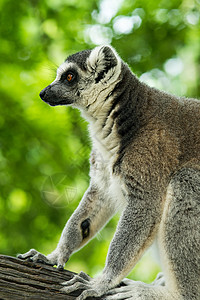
(180, 234)
(179, 239)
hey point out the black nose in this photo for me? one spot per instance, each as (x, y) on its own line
(43, 93)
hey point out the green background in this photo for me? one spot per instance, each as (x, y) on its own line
(44, 151)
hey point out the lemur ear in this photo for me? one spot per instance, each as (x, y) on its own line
(101, 60)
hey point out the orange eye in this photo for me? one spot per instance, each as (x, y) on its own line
(69, 77)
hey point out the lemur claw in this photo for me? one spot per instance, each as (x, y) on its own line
(60, 267)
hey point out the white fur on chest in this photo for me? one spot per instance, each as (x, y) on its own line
(110, 184)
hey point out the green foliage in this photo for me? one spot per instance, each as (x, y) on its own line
(44, 151)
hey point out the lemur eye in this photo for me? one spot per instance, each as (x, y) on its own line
(70, 77)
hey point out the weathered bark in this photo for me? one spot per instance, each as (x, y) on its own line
(21, 279)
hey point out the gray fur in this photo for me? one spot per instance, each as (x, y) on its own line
(145, 163)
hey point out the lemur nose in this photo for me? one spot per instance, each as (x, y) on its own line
(43, 92)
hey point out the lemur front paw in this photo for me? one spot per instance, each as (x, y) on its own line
(54, 258)
(91, 287)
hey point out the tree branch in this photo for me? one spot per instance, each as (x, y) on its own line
(20, 279)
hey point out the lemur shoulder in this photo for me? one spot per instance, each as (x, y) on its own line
(145, 163)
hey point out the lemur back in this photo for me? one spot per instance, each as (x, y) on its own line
(145, 163)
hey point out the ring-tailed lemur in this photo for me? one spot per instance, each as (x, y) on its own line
(150, 172)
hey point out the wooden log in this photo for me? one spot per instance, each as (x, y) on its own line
(21, 279)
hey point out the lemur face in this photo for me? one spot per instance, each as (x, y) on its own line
(82, 77)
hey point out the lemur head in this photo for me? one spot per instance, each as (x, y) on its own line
(84, 78)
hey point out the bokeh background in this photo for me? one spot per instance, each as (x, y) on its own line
(44, 151)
